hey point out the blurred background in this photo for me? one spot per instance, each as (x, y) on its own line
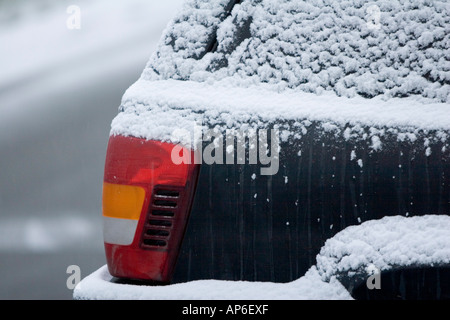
(62, 76)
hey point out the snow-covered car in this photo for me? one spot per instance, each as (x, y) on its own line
(267, 137)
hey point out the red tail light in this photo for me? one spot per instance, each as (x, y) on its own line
(146, 204)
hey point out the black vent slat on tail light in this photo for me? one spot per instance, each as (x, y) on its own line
(163, 213)
(155, 242)
(161, 223)
(167, 193)
(165, 203)
(156, 232)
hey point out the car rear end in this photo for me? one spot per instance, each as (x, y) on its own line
(247, 142)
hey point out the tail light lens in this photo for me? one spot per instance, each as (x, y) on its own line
(146, 204)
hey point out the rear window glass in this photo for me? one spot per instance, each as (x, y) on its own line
(395, 48)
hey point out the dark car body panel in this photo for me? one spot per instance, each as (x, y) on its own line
(271, 228)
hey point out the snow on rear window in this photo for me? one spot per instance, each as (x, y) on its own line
(394, 48)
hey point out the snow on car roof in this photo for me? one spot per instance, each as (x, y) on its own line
(328, 61)
(155, 109)
(394, 48)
